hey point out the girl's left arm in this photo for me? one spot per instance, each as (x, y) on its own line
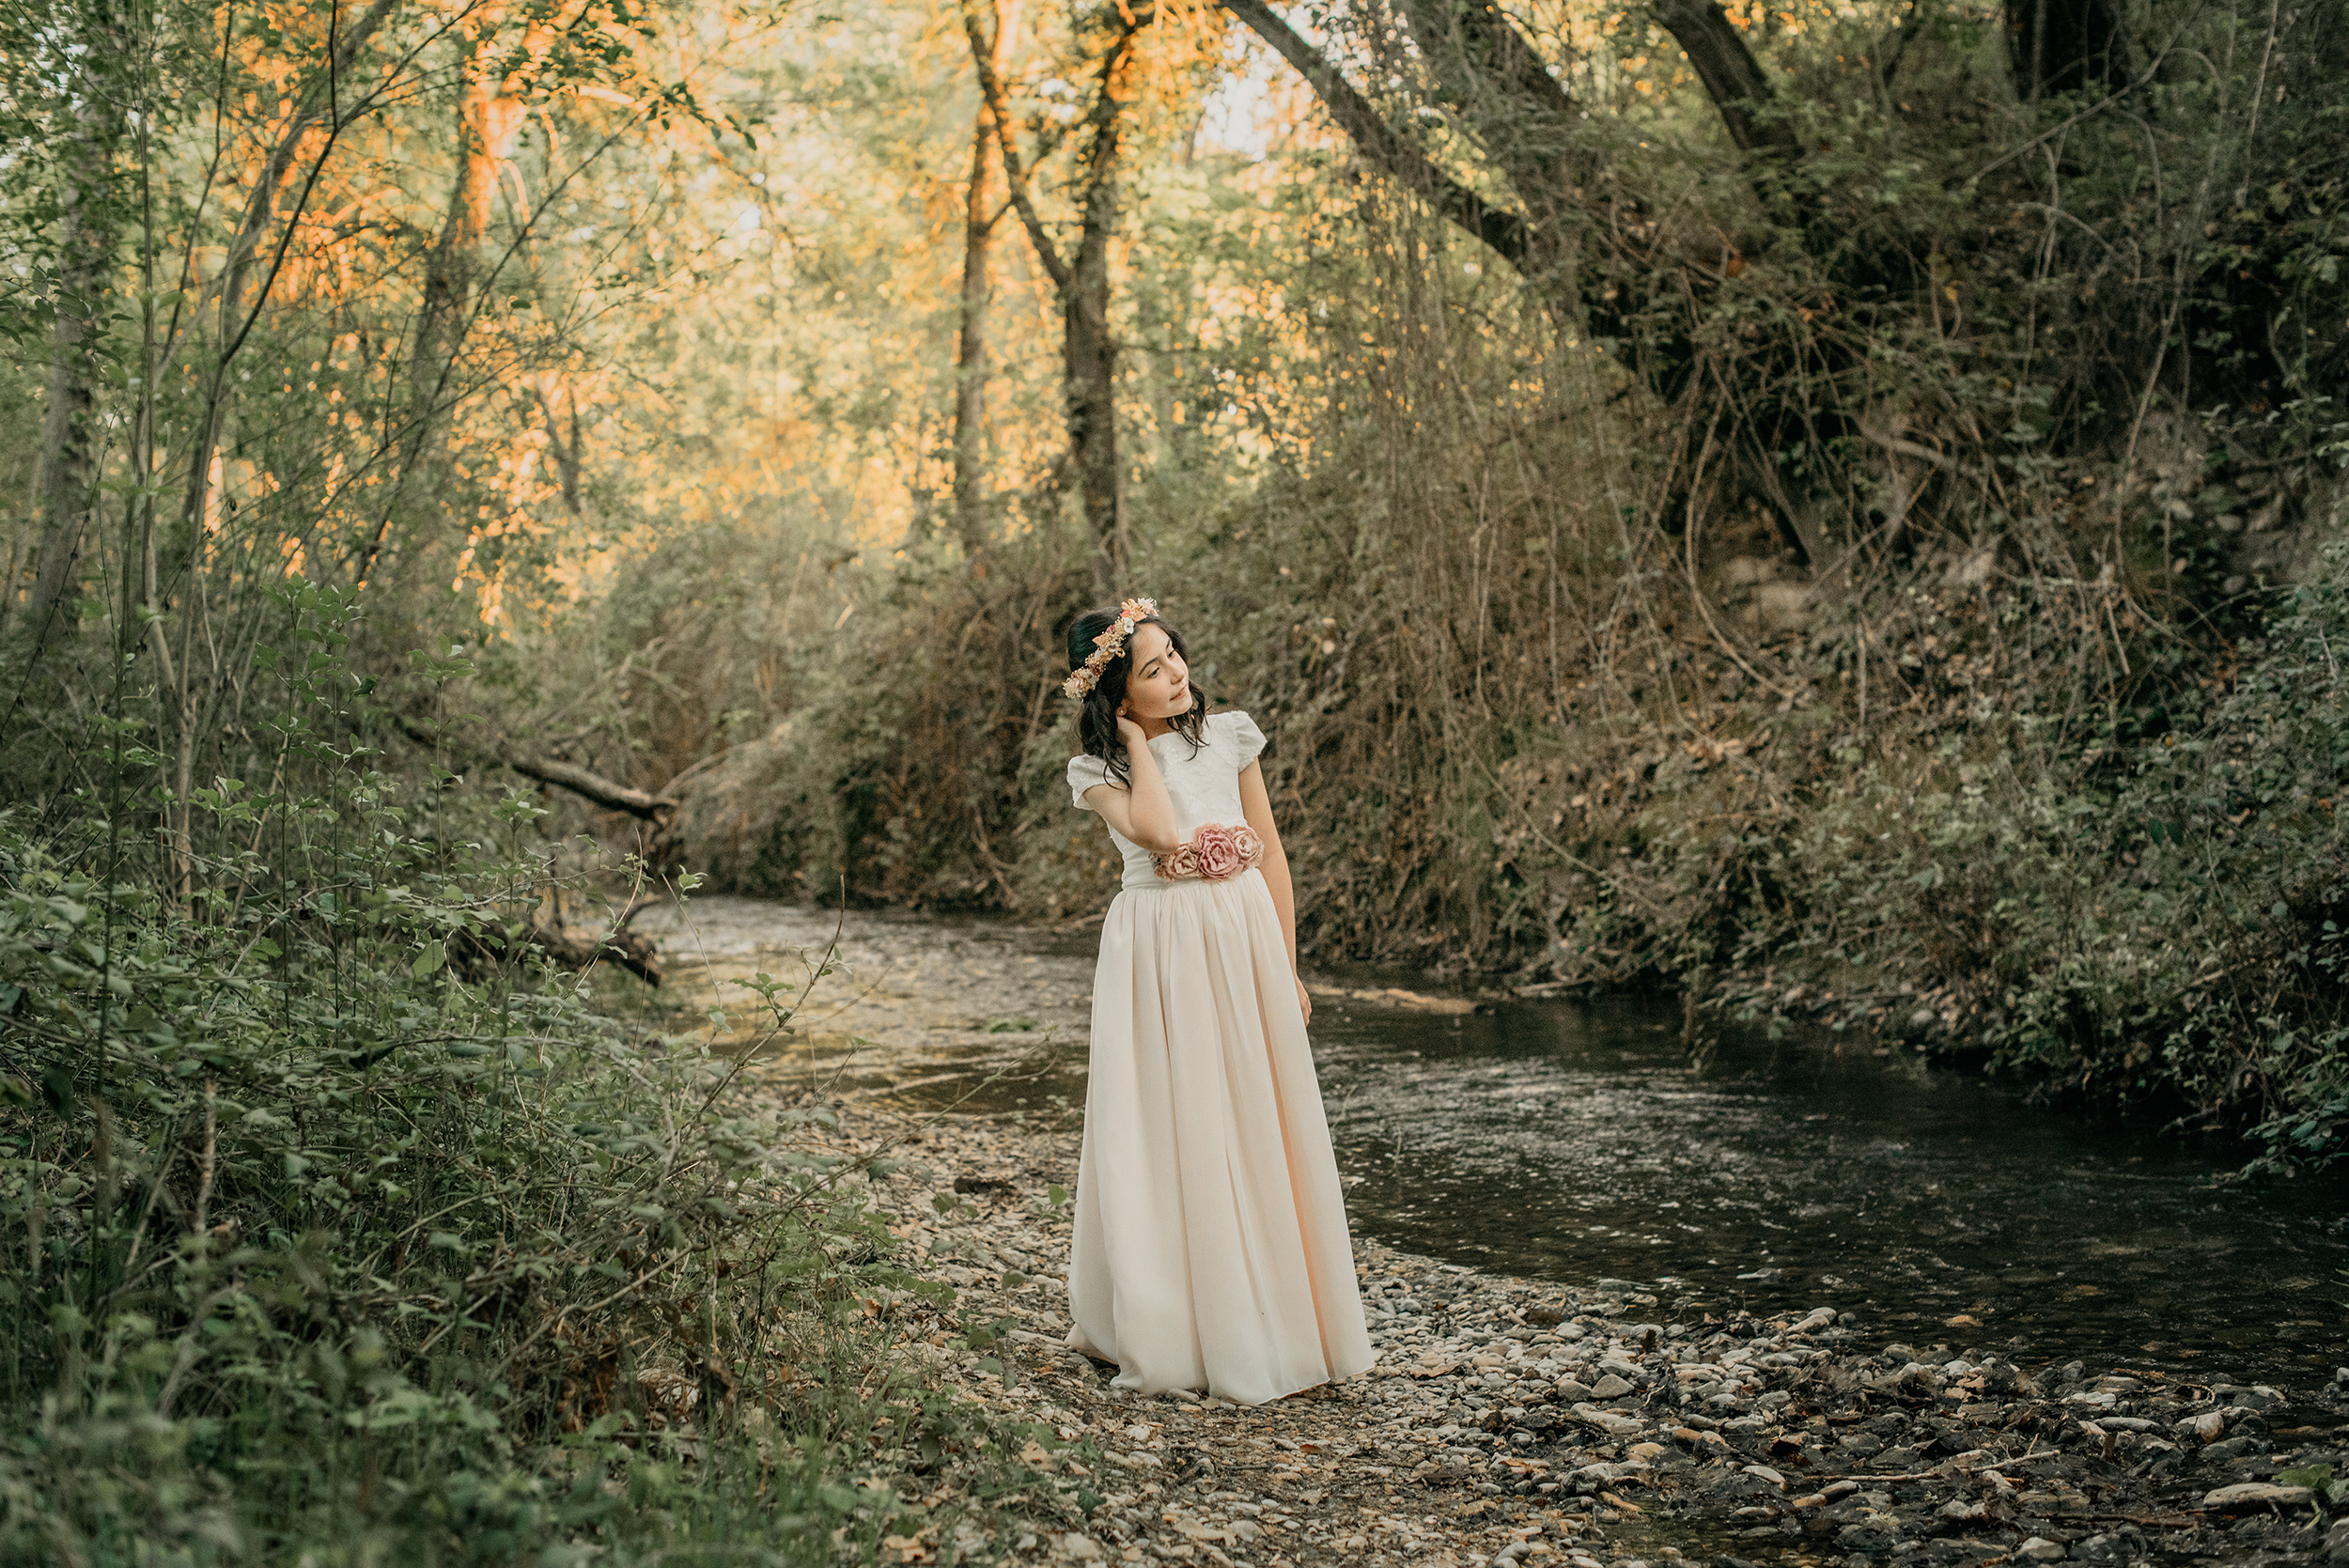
(1255, 802)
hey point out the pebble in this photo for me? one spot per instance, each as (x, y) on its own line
(2257, 1494)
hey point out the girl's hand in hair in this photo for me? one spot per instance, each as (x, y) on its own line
(1128, 731)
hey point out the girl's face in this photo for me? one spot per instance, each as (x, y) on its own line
(1159, 685)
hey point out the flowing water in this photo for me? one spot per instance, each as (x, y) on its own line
(1571, 1142)
(1555, 1140)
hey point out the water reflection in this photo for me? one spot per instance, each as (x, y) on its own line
(1571, 1142)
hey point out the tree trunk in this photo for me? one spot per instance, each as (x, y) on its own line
(87, 238)
(1088, 350)
(448, 267)
(2057, 46)
(1502, 84)
(1717, 52)
(1527, 120)
(489, 114)
(568, 452)
(592, 787)
(320, 105)
(486, 121)
(1505, 231)
(655, 809)
(1523, 113)
(970, 351)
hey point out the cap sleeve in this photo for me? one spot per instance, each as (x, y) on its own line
(1084, 773)
(1241, 731)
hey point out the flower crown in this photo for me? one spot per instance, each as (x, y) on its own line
(1108, 646)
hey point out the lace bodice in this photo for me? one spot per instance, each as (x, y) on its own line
(1205, 785)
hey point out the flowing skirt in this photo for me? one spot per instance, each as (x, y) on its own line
(1211, 1250)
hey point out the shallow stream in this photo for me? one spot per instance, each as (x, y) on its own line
(1556, 1139)
(1552, 1139)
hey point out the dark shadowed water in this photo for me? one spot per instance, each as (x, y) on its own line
(1571, 1142)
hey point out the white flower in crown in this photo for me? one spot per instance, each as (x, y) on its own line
(1108, 646)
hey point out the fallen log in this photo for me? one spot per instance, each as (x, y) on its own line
(567, 949)
(656, 808)
(576, 950)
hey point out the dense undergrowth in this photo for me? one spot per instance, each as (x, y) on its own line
(334, 1227)
(2154, 911)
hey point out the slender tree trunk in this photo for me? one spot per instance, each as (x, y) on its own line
(2065, 46)
(1520, 111)
(489, 114)
(485, 129)
(449, 268)
(1088, 348)
(1717, 52)
(971, 347)
(1506, 232)
(321, 118)
(1089, 366)
(567, 451)
(573, 452)
(87, 238)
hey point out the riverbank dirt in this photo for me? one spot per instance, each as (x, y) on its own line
(1581, 1425)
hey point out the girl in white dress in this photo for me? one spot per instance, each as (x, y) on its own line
(1212, 1248)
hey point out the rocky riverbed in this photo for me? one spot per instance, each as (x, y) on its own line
(1599, 1424)
(1512, 1421)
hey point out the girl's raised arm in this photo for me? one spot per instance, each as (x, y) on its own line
(1143, 812)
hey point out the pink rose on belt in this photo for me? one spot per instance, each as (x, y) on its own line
(1214, 853)
(1218, 852)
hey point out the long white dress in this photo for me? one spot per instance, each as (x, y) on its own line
(1211, 1250)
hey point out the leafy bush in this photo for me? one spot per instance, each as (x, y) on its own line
(2153, 911)
(334, 1225)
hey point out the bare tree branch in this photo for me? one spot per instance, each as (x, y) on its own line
(595, 787)
(1732, 79)
(982, 32)
(656, 808)
(1503, 230)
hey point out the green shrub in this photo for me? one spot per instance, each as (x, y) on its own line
(336, 1226)
(2151, 912)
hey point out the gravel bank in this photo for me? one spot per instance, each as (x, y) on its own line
(1514, 1421)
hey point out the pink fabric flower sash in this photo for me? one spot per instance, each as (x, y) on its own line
(1215, 854)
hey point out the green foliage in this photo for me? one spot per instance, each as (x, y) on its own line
(2316, 1478)
(335, 1226)
(2153, 911)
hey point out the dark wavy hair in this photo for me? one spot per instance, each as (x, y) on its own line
(1097, 721)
